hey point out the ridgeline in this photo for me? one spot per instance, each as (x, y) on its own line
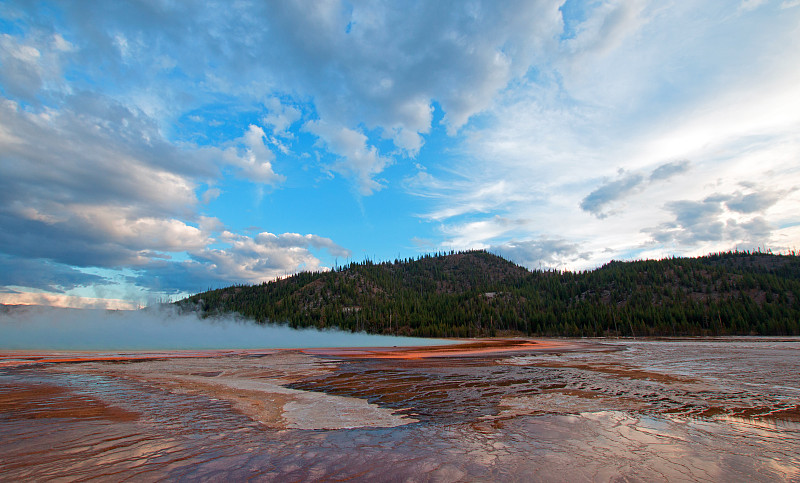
(476, 293)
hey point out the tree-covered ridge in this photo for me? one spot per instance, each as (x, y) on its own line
(477, 293)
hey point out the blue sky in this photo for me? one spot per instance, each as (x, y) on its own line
(153, 149)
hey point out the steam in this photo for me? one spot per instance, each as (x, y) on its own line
(164, 328)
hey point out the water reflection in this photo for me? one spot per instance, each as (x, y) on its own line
(585, 416)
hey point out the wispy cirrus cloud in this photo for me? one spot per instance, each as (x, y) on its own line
(621, 95)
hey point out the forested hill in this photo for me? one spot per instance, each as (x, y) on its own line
(480, 294)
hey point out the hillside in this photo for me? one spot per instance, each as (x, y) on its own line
(476, 293)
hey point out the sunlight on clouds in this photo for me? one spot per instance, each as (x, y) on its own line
(542, 253)
(255, 259)
(560, 134)
(254, 157)
(32, 213)
(562, 148)
(478, 233)
(358, 159)
(772, 110)
(140, 232)
(66, 301)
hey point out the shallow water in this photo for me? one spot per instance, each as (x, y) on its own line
(722, 410)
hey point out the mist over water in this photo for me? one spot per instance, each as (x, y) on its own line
(163, 328)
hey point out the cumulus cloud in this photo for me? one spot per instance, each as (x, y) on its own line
(97, 236)
(95, 184)
(376, 65)
(253, 157)
(753, 232)
(358, 159)
(295, 240)
(93, 150)
(241, 258)
(753, 202)
(695, 221)
(281, 116)
(383, 65)
(541, 107)
(717, 218)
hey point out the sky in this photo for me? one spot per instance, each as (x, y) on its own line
(154, 149)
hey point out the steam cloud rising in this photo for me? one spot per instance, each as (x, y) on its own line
(47, 328)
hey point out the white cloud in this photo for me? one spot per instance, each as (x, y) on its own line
(375, 66)
(64, 300)
(567, 135)
(409, 142)
(620, 95)
(98, 175)
(605, 30)
(280, 116)
(138, 232)
(479, 233)
(542, 253)
(61, 44)
(239, 259)
(211, 194)
(253, 157)
(751, 4)
(383, 65)
(294, 240)
(98, 178)
(358, 159)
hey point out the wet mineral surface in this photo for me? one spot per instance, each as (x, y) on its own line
(654, 410)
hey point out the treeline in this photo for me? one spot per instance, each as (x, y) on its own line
(475, 293)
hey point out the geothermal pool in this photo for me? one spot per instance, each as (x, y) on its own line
(552, 410)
